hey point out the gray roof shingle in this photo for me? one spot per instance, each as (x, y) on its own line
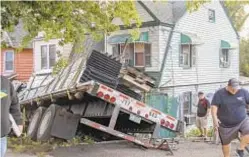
(167, 12)
(17, 36)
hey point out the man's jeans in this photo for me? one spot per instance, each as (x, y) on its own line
(3, 146)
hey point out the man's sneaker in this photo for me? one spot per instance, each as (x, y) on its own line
(240, 153)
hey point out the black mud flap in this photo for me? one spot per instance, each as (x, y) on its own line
(65, 124)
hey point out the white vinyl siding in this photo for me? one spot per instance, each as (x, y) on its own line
(207, 69)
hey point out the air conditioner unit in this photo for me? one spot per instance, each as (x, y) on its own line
(190, 119)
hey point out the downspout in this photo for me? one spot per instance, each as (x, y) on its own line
(165, 55)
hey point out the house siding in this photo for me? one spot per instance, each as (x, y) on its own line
(23, 63)
(207, 69)
(153, 39)
(64, 50)
(206, 76)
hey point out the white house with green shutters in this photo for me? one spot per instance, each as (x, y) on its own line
(185, 52)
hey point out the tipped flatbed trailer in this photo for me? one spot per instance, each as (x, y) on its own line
(91, 92)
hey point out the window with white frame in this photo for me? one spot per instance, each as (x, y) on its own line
(48, 56)
(9, 61)
(187, 57)
(224, 58)
(136, 54)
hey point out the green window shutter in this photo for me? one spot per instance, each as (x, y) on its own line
(225, 45)
(144, 36)
(185, 39)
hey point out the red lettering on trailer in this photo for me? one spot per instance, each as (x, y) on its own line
(140, 104)
(123, 96)
(171, 118)
(103, 87)
(110, 90)
(155, 111)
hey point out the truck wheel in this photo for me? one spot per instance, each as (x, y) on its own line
(34, 123)
(44, 130)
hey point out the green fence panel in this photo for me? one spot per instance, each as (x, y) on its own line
(165, 104)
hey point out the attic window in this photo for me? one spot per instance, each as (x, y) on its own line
(211, 15)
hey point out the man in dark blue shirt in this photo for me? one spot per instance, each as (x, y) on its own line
(229, 116)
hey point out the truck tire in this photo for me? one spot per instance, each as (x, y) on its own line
(44, 129)
(35, 122)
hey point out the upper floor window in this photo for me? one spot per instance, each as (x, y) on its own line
(9, 61)
(48, 56)
(224, 58)
(211, 15)
(187, 57)
(135, 54)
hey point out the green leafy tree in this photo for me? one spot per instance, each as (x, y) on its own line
(237, 13)
(67, 20)
(244, 57)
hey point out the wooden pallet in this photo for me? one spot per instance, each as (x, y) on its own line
(137, 78)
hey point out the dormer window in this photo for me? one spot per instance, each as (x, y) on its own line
(211, 15)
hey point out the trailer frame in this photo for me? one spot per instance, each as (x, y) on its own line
(122, 103)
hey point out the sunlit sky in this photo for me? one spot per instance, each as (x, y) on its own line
(245, 30)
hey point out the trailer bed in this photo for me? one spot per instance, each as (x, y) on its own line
(89, 92)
